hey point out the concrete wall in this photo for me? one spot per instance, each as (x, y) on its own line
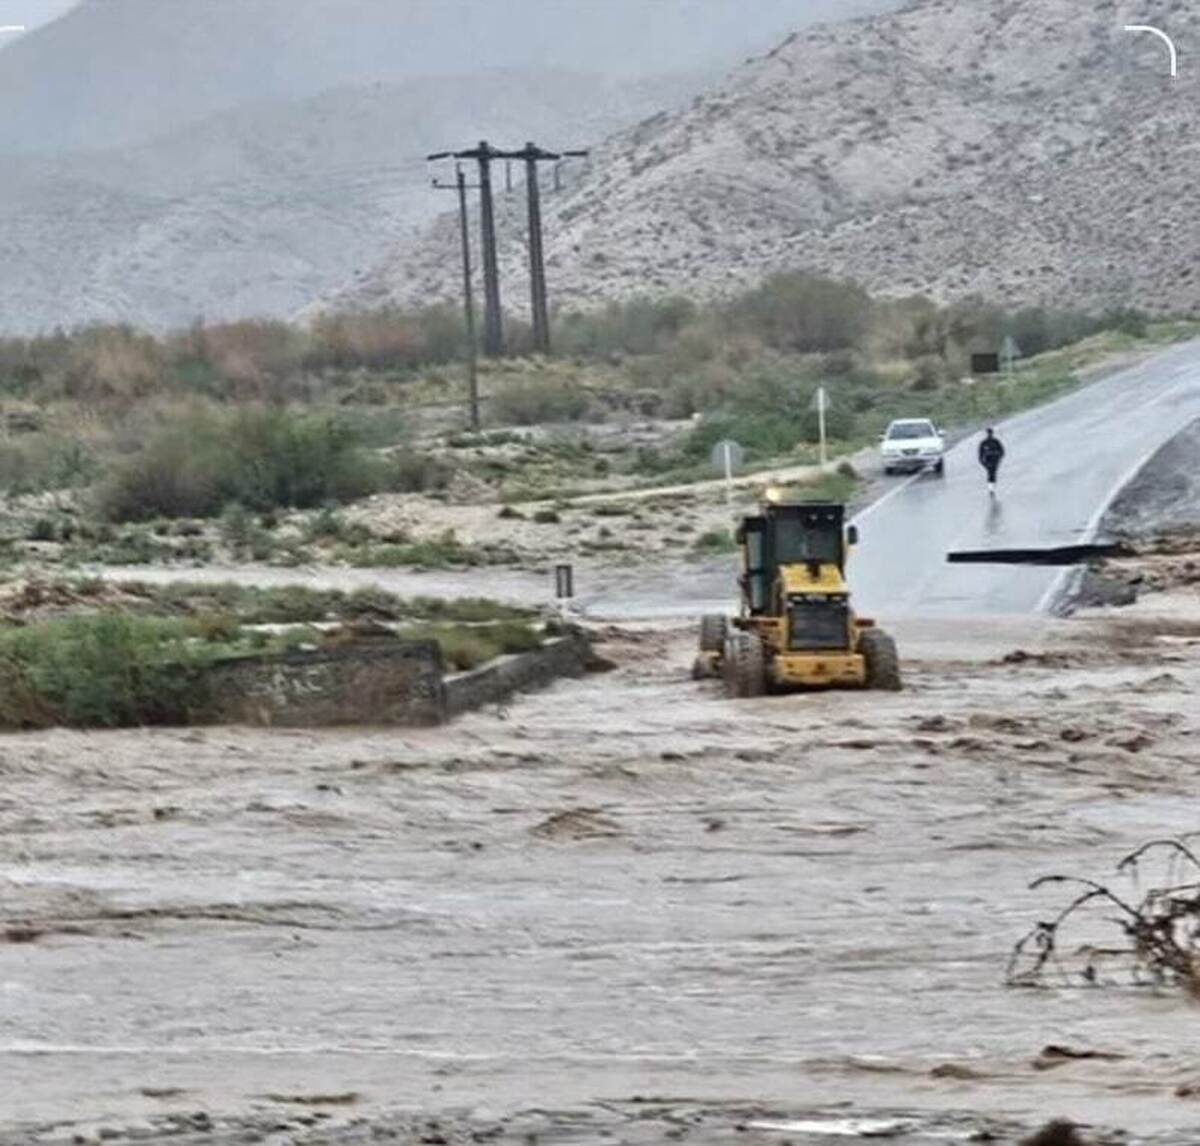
(563, 656)
(375, 681)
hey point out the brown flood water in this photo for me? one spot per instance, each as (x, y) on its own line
(792, 912)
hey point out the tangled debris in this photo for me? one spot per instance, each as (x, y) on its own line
(1161, 930)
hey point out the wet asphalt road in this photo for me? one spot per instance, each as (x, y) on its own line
(1065, 463)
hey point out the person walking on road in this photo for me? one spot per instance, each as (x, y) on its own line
(991, 454)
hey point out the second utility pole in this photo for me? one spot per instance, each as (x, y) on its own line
(493, 329)
(532, 155)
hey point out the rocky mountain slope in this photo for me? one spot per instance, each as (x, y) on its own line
(1028, 150)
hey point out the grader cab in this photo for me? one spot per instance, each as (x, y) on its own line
(796, 628)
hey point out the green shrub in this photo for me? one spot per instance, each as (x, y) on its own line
(637, 326)
(215, 628)
(244, 535)
(429, 553)
(529, 403)
(1126, 320)
(715, 541)
(132, 546)
(39, 462)
(106, 670)
(408, 471)
(329, 525)
(469, 610)
(257, 457)
(806, 313)
(466, 648)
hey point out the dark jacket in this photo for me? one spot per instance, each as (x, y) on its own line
(991, 450)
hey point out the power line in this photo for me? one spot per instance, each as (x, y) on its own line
(531, 155)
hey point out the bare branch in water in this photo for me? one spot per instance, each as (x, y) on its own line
(1162, 931)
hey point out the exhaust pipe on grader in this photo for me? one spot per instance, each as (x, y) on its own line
(796, 628)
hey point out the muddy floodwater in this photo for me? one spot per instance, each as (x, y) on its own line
(624, 909)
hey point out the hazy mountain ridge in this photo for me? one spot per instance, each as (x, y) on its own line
(1029, 151)
(261, 209)
(169, 159)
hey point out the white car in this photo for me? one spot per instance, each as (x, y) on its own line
(911, 445)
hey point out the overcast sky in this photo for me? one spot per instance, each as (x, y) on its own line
(31, 13)
(114, 72)
(630, 36)
(674, 34)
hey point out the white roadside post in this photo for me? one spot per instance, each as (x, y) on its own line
(564, 590)
(1011, 352)
(821, 425)
(726, 456)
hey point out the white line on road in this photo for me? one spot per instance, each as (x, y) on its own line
(891, 493)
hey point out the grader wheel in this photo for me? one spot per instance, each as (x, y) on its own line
(713, 630)
(883, 661)
(745, 666)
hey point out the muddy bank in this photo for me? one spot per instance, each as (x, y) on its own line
(1164, 497)
(1159, 512)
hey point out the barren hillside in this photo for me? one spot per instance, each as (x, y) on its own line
(1024, 149)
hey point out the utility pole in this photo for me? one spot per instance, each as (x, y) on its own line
(460, 185)
(532, 155)
(493, 328)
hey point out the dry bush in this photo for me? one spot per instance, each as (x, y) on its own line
(372, 339)
(385, 339)
(112, 364)
(247, 356)
(1158, 928)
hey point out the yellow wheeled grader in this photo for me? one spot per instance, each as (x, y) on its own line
(796, 628)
